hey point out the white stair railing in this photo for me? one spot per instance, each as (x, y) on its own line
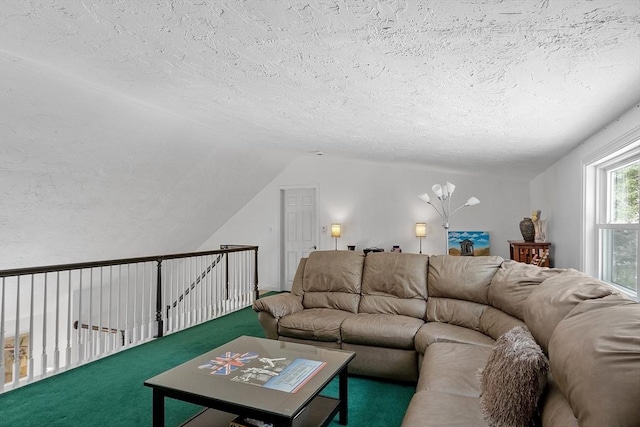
(58, 317)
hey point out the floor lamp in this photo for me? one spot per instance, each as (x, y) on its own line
(444, 193)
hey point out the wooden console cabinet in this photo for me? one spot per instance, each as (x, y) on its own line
(522, 251)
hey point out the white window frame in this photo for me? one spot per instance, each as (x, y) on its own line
(624, 150)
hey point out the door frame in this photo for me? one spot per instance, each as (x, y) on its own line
(281, 191)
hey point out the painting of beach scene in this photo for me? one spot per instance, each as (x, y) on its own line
(468, 243)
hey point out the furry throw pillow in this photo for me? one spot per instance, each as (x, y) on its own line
(513, 379)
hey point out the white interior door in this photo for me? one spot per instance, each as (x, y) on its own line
(299, 225)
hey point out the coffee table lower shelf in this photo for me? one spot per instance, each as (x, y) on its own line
(320, 412)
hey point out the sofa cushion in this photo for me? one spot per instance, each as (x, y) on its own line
(513, 283)
(322, 324)
(452, 367)
(454, 311)
(494, 322)
(384, 330)
(513, 380)
(554, 407)
(595, 360)
(555, 297)
(464, 278)
(394, 283)
(436, 408)
(332, 279)
(434, 332)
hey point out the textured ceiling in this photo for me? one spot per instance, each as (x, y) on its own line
(485, 85)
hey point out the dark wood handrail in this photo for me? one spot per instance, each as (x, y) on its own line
(95, 264)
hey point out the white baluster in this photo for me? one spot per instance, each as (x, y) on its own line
(16, 340)
(90, 333)
(43, 365)
(131, 297)
(56, 347)
(69, 324)
(30, 357)
(80, 341)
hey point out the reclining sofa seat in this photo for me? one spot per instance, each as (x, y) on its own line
(390, 313)
(330, 287)
(373, 307)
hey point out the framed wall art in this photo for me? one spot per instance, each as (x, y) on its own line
(468, 243)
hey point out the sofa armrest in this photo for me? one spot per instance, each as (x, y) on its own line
(279, 305)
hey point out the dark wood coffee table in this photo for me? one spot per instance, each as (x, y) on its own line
(273, 381)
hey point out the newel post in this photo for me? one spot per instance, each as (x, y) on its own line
(226, 276)
(255, 276)
(159, 320)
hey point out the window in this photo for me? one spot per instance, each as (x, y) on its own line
(618, 229)
(616, 218)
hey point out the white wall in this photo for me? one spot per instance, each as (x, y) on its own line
(558, 191)
(377, 205)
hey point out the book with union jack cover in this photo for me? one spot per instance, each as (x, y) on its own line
(274, 373)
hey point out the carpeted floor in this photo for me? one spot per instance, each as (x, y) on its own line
(110, 392)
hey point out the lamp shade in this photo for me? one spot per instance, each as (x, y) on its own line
(437, 190)
(421, 229)
(424, 197)
(335, 230)
(472, 201)
(450, 188)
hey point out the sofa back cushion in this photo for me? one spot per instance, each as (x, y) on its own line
(479, 317)
(513, 283)
(555, 410)
(332, 279)
(462, 277)
(555, 297)
(496, 322)
(296, 286)
(455, 312)
(594, 354)
(394, 283)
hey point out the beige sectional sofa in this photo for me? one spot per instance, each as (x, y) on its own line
(435, 320)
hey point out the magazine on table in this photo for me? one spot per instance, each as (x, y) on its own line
(279, 373)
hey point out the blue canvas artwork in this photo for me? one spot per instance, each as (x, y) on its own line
(468, 243)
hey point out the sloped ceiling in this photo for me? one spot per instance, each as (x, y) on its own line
(131, 127)
(485, 85)
(86, 176)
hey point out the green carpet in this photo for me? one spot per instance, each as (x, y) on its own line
(110, 391)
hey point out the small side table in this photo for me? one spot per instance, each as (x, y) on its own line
(522, 251)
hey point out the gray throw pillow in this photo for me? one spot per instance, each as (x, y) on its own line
(513, 379)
